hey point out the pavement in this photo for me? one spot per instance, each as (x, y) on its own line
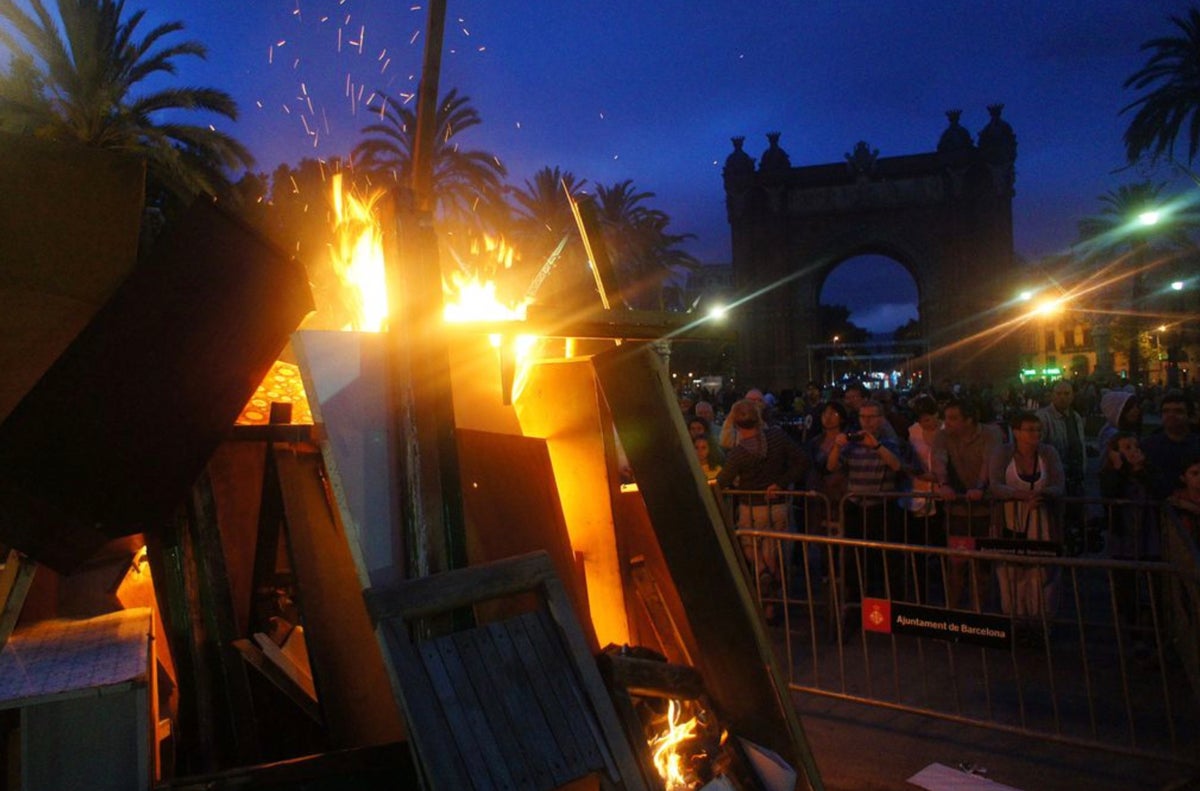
(864, 748)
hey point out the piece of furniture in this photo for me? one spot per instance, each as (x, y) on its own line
(516, 702)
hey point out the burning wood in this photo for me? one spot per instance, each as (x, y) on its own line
(687, 753)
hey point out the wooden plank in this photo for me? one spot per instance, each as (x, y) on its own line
(241, 727)
(477, 745)
(503, 721)
(438, 593)
(513, 645)
(347, 663)
(15, 578)
(734, 653)
(429, 732)
(533, 732)
(646, 677)
(544, 654)
(556, 663)
(592, 686)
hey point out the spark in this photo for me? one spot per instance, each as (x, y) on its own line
(271, 54)
(304, 121)
(295, 64)
(281, 42)
(295, 186)
(518, 124)
(386, 63)
(287, 109)
(481, 49)
(362, 38)
(414, 36)
(339, 44)
(382, 54)
(466, 32)
(325, 120)
(348, 88)
(324, 19)
(258, 103)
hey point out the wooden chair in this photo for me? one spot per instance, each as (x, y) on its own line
(514, 703)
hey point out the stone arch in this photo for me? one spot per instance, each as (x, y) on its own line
(946, 216)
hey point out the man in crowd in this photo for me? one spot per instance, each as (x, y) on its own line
(1166, 449)
(872, 464)
(763, 460)
(1062, 427)
(961, 450)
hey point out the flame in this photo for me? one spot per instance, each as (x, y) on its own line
(470, 298)
(357, 257)
(668, 759)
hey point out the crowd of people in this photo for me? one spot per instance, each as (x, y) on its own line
(947, 466)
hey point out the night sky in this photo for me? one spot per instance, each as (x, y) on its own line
(652, 91)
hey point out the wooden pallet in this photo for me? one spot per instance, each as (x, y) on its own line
(515, 703)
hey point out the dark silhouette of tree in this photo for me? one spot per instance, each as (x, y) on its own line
(909, 331)
(81, 82)
(1172, 106)
(834, 320)
(644, 254)
(467, 184)
(541, 219)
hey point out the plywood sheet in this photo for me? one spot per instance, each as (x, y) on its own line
(69, 221)
(512, 508)
(345, 378)
(114, 434)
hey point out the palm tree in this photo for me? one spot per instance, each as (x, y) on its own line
(643, 253)
(542, 220)
(463, 181)
(1174, 100)
(81, 84)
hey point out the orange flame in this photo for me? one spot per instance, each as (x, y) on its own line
(668, 759)
(357, 257)
(470, 298)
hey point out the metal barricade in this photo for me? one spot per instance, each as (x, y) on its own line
(1093, 651)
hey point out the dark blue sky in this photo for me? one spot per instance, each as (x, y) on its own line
(653, 91)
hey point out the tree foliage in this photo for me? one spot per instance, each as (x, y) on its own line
(1171, 107)
(464, 181)
(84, 83)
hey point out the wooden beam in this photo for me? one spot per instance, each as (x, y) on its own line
(734, 653)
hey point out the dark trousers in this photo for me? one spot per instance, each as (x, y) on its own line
(876, 573)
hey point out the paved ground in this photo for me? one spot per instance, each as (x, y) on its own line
(860, 748)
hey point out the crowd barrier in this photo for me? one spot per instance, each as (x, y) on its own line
(1080, 647)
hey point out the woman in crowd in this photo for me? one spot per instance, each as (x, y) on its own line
(1026, 476)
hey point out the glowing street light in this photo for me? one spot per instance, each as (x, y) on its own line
(717, 312)
(1025, 296)
(1150, 217)
(1177, 285)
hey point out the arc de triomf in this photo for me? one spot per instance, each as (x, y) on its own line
(945, 216)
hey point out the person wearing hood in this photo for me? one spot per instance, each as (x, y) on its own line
(1121, 413)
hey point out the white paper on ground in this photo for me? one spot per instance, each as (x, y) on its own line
(938, 777)
(774, 772)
